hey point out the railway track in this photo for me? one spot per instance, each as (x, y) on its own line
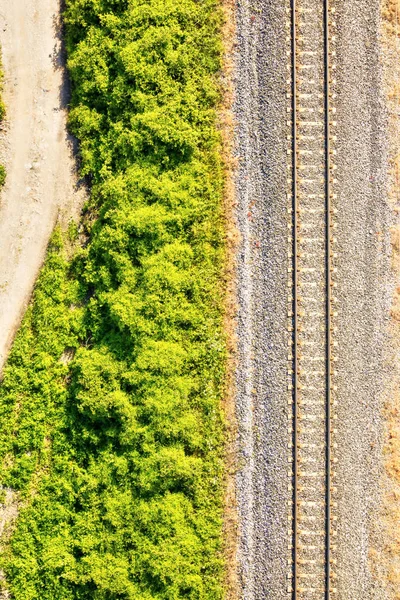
(311, 39)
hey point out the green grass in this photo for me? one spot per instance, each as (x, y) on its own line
(111, 429)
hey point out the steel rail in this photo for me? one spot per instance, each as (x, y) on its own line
(295, 299)
(328, 306)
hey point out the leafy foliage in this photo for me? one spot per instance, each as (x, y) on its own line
(2, 175)
(110, 422)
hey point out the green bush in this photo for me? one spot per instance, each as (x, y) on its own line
(111, 430)
(2, 175)
(2, 110)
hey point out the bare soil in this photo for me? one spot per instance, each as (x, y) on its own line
(226, 124)
(386, 556)
(36, 149)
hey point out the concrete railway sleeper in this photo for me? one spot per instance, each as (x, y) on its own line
(311, 551)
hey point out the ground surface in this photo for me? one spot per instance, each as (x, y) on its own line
(41, 181)
(364, 292)
(35, 148)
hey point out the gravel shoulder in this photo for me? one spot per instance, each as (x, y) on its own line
(365, 288)
(36, 150)
(261, 378)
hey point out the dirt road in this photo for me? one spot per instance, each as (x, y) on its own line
(36, 150)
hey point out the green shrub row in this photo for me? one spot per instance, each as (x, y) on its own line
(111, 430)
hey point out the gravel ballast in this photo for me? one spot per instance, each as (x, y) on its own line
(364, 294)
